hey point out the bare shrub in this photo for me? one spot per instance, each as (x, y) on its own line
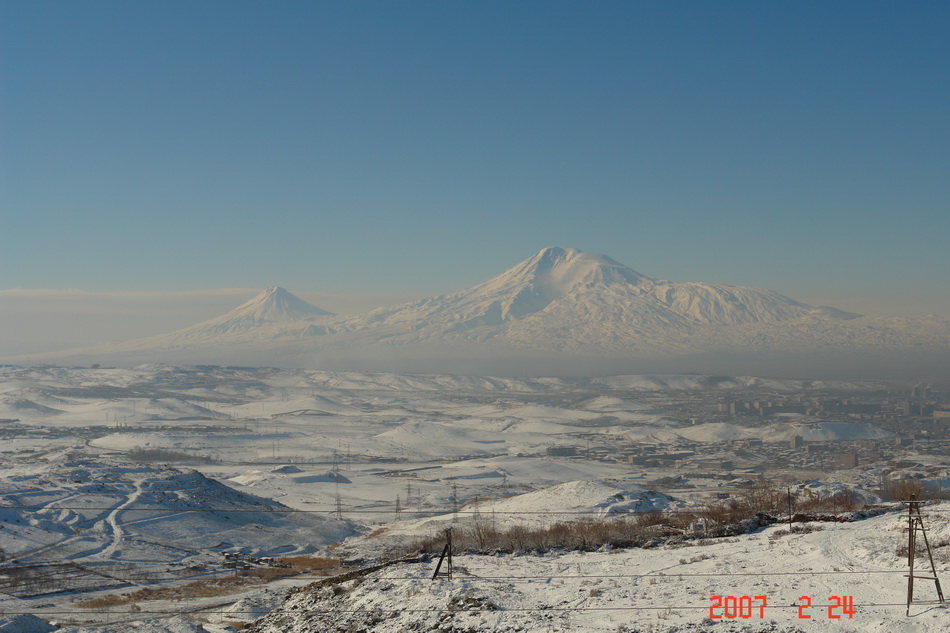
(211, 588)
(762, 498)
(903, 490)
(846, 500)
(755, 508)
(105, 602)
(719, 514)
(653, 517)
(309, 563)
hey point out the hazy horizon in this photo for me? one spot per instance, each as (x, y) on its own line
(44, 320)
(33, 317)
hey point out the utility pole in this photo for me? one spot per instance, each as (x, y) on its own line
(446, 554)
(789, 492)
(915, 523)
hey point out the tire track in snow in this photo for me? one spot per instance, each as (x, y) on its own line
(68, 540)
(112, 520)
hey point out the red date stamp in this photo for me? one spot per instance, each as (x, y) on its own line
(732, 607)
(745, 607)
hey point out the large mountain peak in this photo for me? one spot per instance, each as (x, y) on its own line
(568, 298)
(557, 271)
(562, 269)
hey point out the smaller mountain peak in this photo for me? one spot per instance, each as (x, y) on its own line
(277, 304)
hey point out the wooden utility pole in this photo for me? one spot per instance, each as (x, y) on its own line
(788, 491)
(446, 557)
(915, 523)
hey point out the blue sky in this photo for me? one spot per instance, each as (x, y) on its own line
(422, 147)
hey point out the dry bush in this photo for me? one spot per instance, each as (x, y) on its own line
(517, 538)
(653, 517)
(903, 490)
(842, 501)
(847, 500)
(764, 498)
(582, 535)
(104, 602)
(718, 514)
(747, 512)
(309, 563)
(681, 520)
(267, 574)
(215, 587)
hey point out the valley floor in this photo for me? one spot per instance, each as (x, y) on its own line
(129, 496)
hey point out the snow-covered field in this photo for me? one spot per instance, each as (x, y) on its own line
(267, 462)
(842, 577)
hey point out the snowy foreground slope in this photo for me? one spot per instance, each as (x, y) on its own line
(667, 589)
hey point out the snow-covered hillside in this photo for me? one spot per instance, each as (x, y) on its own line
(842, 577)
(106, 510)
(355, 465)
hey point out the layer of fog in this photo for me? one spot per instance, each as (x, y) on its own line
(37, 321)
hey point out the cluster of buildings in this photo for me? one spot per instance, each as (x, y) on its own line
(891, 428)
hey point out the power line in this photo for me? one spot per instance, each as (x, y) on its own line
(433, 511)
(669, 575)
(450, 609)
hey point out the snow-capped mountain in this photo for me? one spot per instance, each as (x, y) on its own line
(272, 308)
(273, 305)
(563, 298)
(273, 314)
(561, 303)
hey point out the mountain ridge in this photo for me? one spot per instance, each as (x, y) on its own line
(560, 287)
(560, 303)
